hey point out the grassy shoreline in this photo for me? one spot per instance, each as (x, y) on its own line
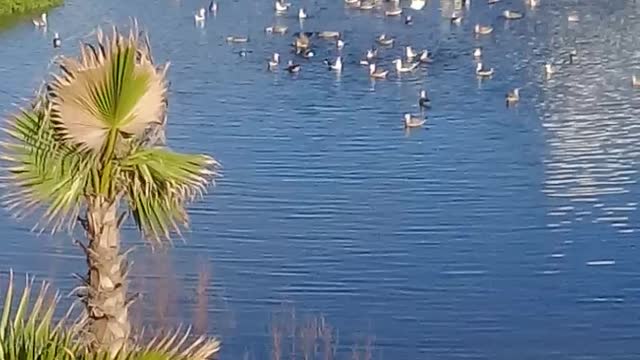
(20, 7)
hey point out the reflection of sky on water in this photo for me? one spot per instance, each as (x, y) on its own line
(591, 117)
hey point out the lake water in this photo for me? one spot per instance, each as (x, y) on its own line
(493, 233)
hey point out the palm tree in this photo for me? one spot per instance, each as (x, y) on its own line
(89, 150)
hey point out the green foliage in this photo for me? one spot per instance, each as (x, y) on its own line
(28, 332)
(8, 7)
(26, 327)
(88, 135)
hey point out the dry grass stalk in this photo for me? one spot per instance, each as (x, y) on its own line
(165, 292)
(326, 335)
(308, 338)
(276, 340)
(200, 316)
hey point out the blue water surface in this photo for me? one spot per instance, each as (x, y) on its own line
(493, 233)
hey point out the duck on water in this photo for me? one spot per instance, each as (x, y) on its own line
(411, 121)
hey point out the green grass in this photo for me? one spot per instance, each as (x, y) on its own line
(12, 7)
(28, 332)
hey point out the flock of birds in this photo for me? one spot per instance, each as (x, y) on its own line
(302, 45)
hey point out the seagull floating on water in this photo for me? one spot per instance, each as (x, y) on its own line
(512, 15)
(42, 21)
(409, 53)
(411, 121)
(635, 81)
(417, 4)
(367, 5)
(477, 53)
(385, 40)
(329, 35)
(199, 17)
(548, 69)
(302, 14)
(513, 96)
(213, 7)
(339, 44)
(274, 61)
(394, 11)
(281, 6)
(276, 29)
(482, 71)
(482, 29)
(237, 39)
(402, 68)
(376, 73)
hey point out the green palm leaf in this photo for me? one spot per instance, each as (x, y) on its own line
(41, 171)
(160, 183)
(113, 88)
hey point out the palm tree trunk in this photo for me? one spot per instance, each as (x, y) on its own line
(106, 303)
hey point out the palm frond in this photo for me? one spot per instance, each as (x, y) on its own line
(177, 344)
(27, 330)
(41, 171)
(160, 183)
(112, 88)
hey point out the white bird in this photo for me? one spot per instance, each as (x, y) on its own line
(425, 57)
(409, 53)
(385, 40)
(482, 30)
(281, 6)
(477, 53)
(402, 68)
(274, 61)
(482, 71)
(533, 3)
(573, 17)
(339, 44)
(376, 73)
(635, 81)
(417, 4)
(199, 17)
(302, 14)
(213, 7)
(336, 65)
(512, 15)
(548, 69)
(393, 12)
(42, 22)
